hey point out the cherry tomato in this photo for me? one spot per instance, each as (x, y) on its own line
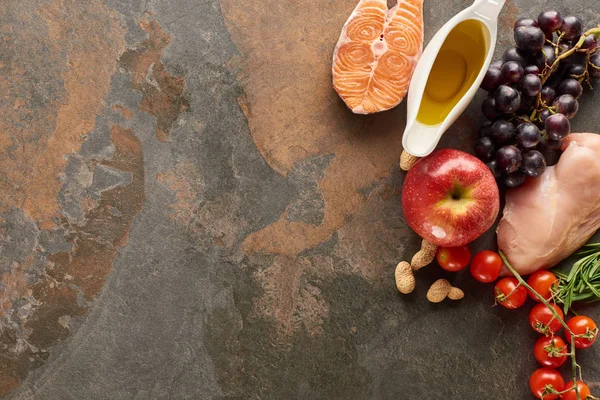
(486, 266)
(584, 391)
(551, 352)
(543, 283)
(544, 377)
(453, 258)
(543, 321)
(581, 325)
(509, 293)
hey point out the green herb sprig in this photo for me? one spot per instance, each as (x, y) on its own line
(582, 283)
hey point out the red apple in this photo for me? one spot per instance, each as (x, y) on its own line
(450, 198)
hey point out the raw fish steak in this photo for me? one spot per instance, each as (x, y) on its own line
(548, 218)
(376, 54)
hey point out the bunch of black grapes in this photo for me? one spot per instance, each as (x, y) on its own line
(530, 103)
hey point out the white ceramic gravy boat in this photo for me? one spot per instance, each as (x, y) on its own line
(420, 139)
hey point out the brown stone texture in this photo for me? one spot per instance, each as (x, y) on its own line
(189, 211)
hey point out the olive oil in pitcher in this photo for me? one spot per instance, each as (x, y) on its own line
(456, 67)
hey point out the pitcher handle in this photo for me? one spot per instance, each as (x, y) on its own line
(488, 9)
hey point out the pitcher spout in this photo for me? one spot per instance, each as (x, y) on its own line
(419, 139)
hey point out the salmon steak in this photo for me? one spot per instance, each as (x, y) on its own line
(376, 54)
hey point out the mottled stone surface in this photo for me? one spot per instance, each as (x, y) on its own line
(189, 211)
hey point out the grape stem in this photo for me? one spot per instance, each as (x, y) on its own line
(574, 365)
(549, 70)
(567, 53)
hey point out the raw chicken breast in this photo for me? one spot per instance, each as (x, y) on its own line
(549, 218)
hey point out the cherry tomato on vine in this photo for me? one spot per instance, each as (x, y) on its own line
(509, 293)
(486, 266)
(542, 282)
(453, 259)
(581, 325)
(584, 391)
(551, 352)
(543, 321)
(544, 377)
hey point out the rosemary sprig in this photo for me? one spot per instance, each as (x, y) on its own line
(582, 283)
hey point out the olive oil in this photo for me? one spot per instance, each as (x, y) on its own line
(456, 67)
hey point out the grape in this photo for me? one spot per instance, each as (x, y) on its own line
(550, 20)
(534, 163)
(532, 69)
(493, 78)
(548, 148)
(532, 84)
(549, 54)
(493, 166)
(488, 107)
(567, 105)
(594, 67)
(512, 72)
(539, 124)
(527, 103)
(572, 27)
(548, 95)
(503, 131)
(515, 179)
(563, 47)
(496, 64)
(544, 115)
(525, 22)
(485, 148)
(542, 145)
(514, 54)
(557, 126)
(577, 58)
(486, 129)
(508, 100)
(570, 86)
(589, 43)
(529, 38)
(509, 158)
(538, 60)
(575, 70)
(528, 135)
(554, 144)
